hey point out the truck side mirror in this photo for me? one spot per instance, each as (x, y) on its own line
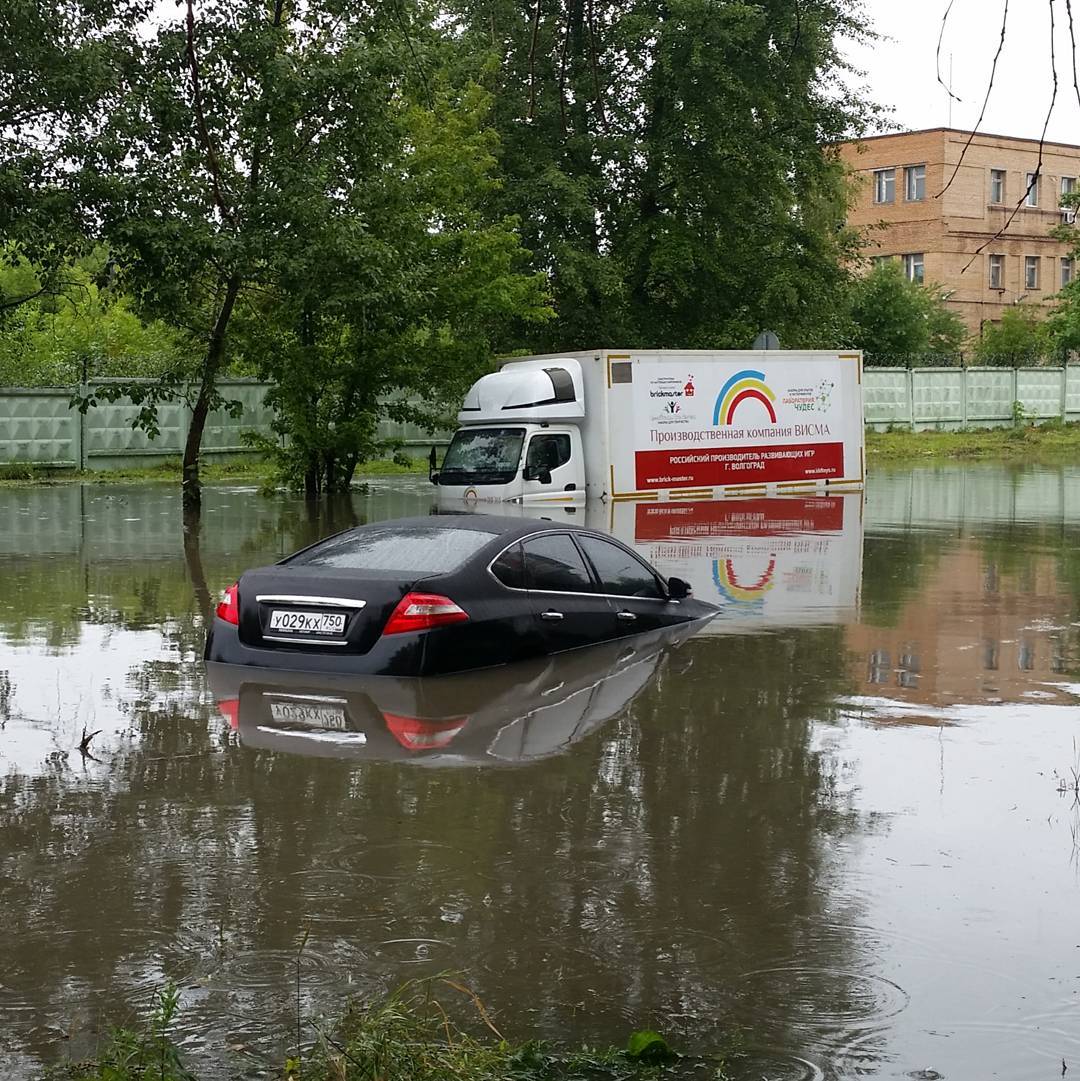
(538, 473)
(677, 589)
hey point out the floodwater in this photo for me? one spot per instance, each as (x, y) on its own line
(838, 821)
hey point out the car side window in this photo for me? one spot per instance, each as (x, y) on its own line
(509, 568)
(553, 563)
(620, 573)
(547, 451)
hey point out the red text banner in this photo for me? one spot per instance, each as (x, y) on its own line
(708, 466)
(738, 517)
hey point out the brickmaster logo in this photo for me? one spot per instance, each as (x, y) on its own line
(669, 393)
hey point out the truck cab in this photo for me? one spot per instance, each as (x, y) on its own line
(520, 438)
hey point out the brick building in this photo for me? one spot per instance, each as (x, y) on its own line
(934, 236)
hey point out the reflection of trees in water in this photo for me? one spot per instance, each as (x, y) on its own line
(159, 570)
(633, 879)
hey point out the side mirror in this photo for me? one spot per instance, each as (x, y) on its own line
(536, 473)
(678, 589)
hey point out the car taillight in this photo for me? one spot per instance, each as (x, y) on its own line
(230, 710)
(229, 608)
(416, 734)
(420, 611)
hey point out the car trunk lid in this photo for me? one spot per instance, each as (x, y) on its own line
(315, 609)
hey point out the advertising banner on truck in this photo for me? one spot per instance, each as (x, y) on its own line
(749, 420)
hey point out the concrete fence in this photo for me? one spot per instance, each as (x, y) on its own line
(949, 398)
(39, 427)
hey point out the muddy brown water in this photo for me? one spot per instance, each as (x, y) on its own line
(837, 821)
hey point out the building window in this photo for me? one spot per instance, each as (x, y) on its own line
(997, 271)
(884, 185)
(913, 268)
(1066, 272)
(997, 185)
(1031, 272)
(881, 260)
(915, 183)
(1031, 187)
(1068, 185)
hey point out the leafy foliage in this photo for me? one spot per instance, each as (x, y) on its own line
(403, 311)
(1022, 337)
(666, 159)
(894, 317)
(81, 330)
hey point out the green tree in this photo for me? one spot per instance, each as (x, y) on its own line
(255, 160)
(899, 321)
(667, 160)
(362, 322)
(58, 60)
(1022, 337)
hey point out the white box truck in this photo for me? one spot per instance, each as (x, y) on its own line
(657, 425)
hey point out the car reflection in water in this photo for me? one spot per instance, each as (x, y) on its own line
(512, 714)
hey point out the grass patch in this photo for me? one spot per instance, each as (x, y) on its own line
(240, 469)
(409, 1037)
(1051, 443)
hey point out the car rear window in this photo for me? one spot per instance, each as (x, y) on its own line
(429, 551)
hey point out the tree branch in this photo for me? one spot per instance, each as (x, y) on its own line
(532, 61)
(986, 100)
(1042, 145)
(200, 116)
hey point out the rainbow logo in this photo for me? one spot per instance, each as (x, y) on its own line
(727, 582)
(741, 387)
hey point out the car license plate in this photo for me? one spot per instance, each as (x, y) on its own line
(307, 622)
(309, 714)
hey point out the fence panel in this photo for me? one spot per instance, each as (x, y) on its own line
(108, 432)
(222, 434)
(990, 396)
(1072, 392)
(937, 395)
(1038, 390)
(37, 427)
(886, 396)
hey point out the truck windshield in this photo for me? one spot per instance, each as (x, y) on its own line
(482, 456)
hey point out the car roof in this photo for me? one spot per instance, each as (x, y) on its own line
(497, 525)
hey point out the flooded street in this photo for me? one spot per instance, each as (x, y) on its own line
(839, 821)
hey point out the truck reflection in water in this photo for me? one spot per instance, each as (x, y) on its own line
(766, 562)
(500, 716)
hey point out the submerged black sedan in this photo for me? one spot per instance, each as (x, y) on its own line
(431, 596)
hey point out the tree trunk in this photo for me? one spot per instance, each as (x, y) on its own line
(215, 354)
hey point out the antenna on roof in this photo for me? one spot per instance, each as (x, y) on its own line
(950, 97)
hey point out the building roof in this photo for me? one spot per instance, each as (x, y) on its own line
(956, 131)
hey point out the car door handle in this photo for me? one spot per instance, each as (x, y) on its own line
(627, 617)
(551, 615)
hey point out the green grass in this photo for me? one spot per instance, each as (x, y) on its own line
(1051, 443)
(411, 1036)
(241, 469)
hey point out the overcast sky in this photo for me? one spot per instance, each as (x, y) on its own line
(901, 70)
